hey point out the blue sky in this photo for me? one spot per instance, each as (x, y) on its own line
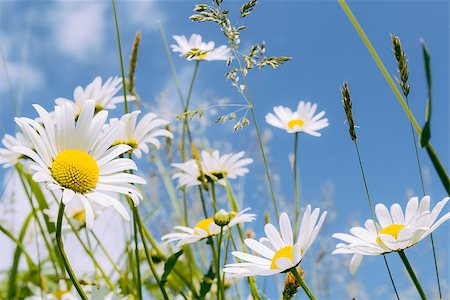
(51, 47)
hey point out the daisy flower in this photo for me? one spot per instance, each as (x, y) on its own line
(214, 167)
(104, 95)
(8, 157)
(145, 132)
(195, 49)
(394, 231)
(277, 252)
(205, 228)
(76, 157)
(75, 211)
(301, 120)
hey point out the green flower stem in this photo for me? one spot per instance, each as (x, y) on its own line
(220, 283)
(412, 274)
(119, 46)
(235, 207)
(89, 253)
(302, 283)
(419, 166)
(213, 197)
(16, 257)
(172, 65)
(18, 243)
(50, 249)
(216, 264)
(430, 150)
(60, 244)
(261, 146)
(151, 264)
(183, 135)
(168, 183)
(296, 185)
(105, 251)
(138, 260)
(373, 215)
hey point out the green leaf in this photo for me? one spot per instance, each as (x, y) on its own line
(208, 279)
(168, 266)
(37, 192)
(426, 131)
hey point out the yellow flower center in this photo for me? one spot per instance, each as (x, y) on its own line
(131, 142)
(196, 53)
(204, 225)
(60, 294)
(79, 216)
(285, 252)
(76, 170)
(296, 122)
(392, 230)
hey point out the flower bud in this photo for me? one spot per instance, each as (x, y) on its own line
(222, 218)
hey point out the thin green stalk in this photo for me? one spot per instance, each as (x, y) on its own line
(220, 288)
(172, 65)
(17, 253)
(138, 261)
(215, 263)
(183, 135)
(424, 193)
(151, 264)
(18, 243)
(261, 146)
(38, 221)
(235, 207)
(168, 185)
(122, 69)
(302, 283)
(89, 253)
(105, 251)
(442, 173)
(296, 184)
(59, 241)
(213, 197)
(373, 215)
(202, 198)
(412, 274)
(163, 257)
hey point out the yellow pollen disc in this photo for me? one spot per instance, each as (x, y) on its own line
(285, 252)
(76, 170)
(204, 225)
(60, 294)
(131, 142)
(79, 216)
(296, 122)
(392, 230)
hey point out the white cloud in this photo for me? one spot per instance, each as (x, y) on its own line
(24, 75)
(78, 28)
(143, 14)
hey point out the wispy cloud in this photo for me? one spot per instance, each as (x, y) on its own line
(78, 28)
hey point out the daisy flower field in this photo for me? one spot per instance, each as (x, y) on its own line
(224, 150)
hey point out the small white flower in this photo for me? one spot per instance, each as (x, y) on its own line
(214, 167)
(395, 231)
(9, 157)
(205, 228)
(76, 157)
(301, 120)
(195, 49)
(75, 211)
(277, 252)
(145, 132)
(104, 95)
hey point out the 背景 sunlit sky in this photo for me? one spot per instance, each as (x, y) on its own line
(50, 47)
